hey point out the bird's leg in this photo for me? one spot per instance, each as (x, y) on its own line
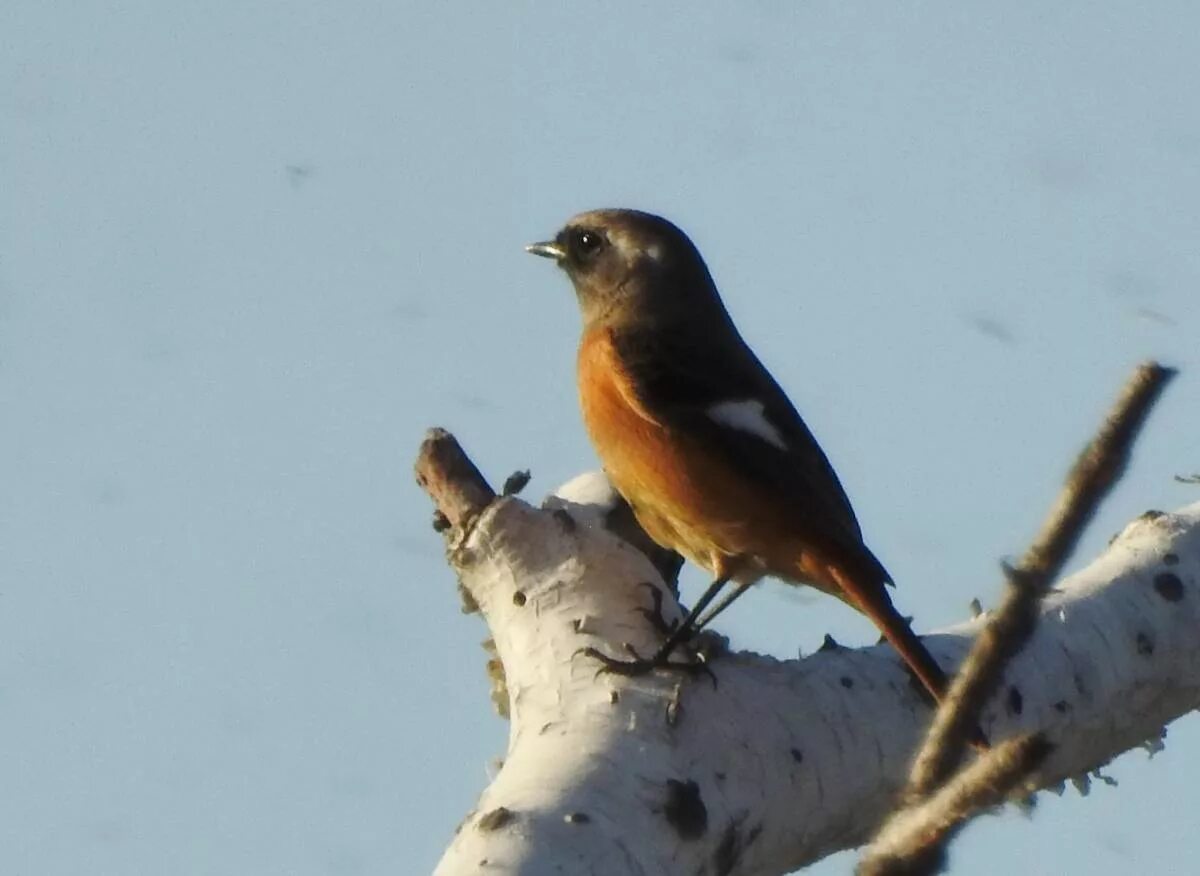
(725, 602)
(688, 628)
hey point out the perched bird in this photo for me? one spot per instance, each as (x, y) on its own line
(699, 438)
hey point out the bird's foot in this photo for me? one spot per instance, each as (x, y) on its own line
(641, 666)
(654, 614)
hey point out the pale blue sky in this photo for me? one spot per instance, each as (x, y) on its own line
(228, 643)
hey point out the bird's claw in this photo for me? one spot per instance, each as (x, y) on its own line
(642, 666)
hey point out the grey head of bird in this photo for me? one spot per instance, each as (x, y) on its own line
(626, 264)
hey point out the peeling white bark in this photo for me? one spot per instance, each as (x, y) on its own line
(783, 762)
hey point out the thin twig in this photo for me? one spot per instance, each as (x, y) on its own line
(914, 840)
(1098, 467)
(923, 849)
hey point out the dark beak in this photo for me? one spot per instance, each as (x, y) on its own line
(547, 249)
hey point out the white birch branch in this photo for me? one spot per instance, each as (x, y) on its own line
(783, 762)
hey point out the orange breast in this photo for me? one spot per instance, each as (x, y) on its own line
(683, 496)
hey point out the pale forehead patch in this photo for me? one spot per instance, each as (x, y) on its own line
(626, 244)
(747, 415)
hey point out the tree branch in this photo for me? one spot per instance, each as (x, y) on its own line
(446, 473)
(914, 839)
(787, 761)
(1096, 469)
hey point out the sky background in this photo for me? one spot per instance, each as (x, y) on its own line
(249, 252)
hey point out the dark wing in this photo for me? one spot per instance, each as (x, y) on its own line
(680, 380)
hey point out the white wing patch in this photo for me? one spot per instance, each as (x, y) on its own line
(747, 416)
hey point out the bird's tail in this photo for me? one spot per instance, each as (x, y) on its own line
(873, 601)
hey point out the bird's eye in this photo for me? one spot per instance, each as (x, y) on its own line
(588, 243)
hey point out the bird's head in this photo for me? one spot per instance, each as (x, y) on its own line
(625, 262)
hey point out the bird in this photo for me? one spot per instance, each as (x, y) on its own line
(699, 438)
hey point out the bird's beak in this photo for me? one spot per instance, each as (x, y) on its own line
(547, 249)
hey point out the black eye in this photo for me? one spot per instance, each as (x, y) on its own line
(588, 243)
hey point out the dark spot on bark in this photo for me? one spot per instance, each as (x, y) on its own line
(614, 697)
(1170, 559)
(847, 682)
(797, 755)
(440, 522)
(1145, 645)
(565, 520)
(496, 819)
(830, 644)
(518, 599)
(1061, 707)
(720, 777)
(1016, 703)
(515, 482)
(577, 818)
(1169, 586)
(685, 810)
(728, 851)
(577, 624)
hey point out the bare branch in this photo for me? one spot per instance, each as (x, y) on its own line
(919, 845)
(914, 840)
(1098, 467)
(791, 759)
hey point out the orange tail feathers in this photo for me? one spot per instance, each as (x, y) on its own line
(875, 604)
(873, 601)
